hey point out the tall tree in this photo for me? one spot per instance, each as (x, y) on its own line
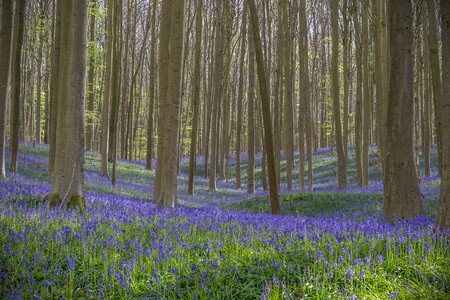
(435, 75)
(305, 94)
(168, 155)
(366, 95)
(251, 115)
(264, 92)
(288, 109)
(341, 160)
(240, 97)
(443, 217)
(19, 26)
(217, 94)
(196, 94)
(105, 136)
(402, 198)
(67, 187)
(6, 31)
(91, 81)
(359, 96)
(152, 90)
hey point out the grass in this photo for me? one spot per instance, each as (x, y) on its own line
(215, 245)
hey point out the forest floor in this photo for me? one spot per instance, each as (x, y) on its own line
(328, 244)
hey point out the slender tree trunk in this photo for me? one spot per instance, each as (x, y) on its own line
(426, 136)
(5, 66)
(54, 87)
(342, 163)
(152, 91)
(217, 95)
(105, 134)
(366, 94)
(265, 104)
(435, 76)
(443, 217)
(195, 94)
(381, 77)
(39, 78)
(402, 198)
(91, 84)
(251, 115)
(288, 110)
(240, 98)
(19, 24)
(305, 94)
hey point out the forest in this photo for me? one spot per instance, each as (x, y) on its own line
(225, 149)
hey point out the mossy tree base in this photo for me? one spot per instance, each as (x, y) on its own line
(74, 202)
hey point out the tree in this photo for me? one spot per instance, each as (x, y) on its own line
(152, 90)
(402, 198)
(196, 95)
(342, 161)
(443, 217)
(305, 94)
(288, 109)
(105, 136)
(91, 83)
(435, 75)
(67, 187)
(5, 65)
(251, 115)
(166, 196)
(217, 94)
(19, 24)
(264, 91)
(240, 98)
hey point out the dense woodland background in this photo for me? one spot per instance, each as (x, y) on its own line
(146, 80)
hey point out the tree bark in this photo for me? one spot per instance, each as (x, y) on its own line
(19, 24)
(443, 217)
(251, 115)
(195, 94)
(263, 87)
(435, 76)
(217, 95)
(341, 160)
(240, 98)
(5, 68)
(91, 84)
(67, 187)
(305, 94)
(169, 155)
(402, 198)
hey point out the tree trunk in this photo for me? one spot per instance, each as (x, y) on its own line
(91, 84)
(366, 94)
(443, 217)
(168, 181)
(305, 94)
(265, 104)
(240, 98)
(151, 91)
(251, 115)
(288, 116)
(67, 187)
(105, 135)
(54, 88)
(341, 160)
(435, 75)
(402, 198)
(195, 94)
(19, 24)
(217, 95)
(5, 66)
